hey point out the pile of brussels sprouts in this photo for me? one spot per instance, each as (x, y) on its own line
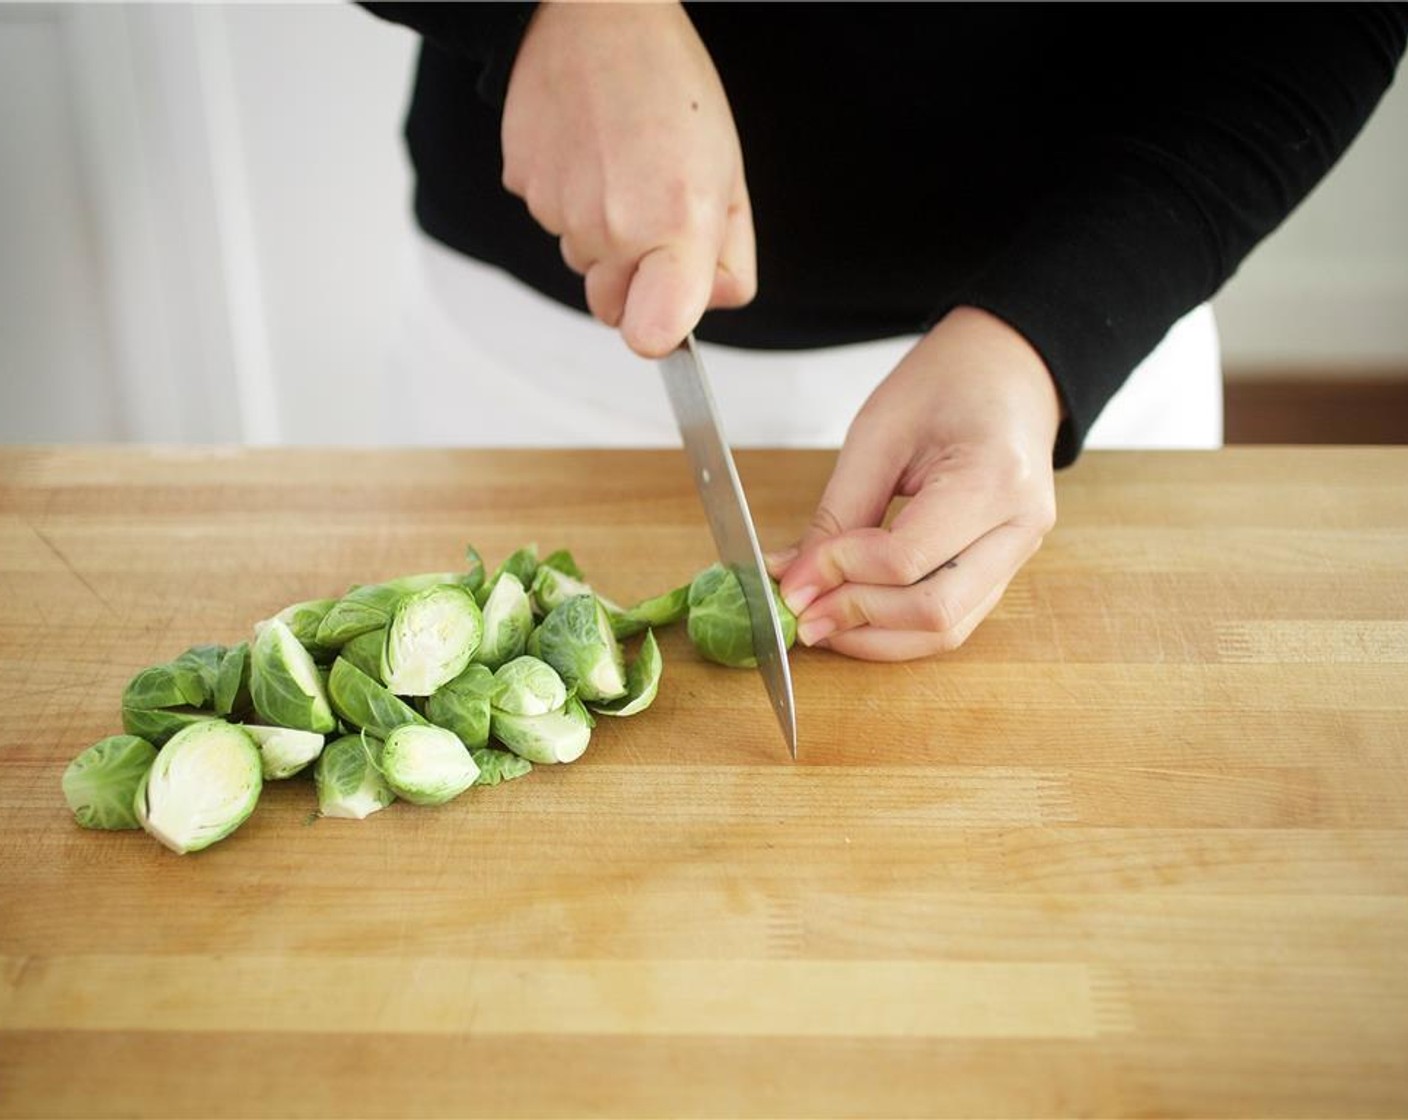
(417, 689)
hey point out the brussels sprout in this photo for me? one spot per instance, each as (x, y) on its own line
(365, 703)
(662, 610)
(349, 779)
(521, 564)
(508, 620)
(285, 684)
(462, 705)
(432, 636)
(535, 716)
(552, 588)
(370, 606)
(303, 619)
(527, 686)
(157, 725)
(557, 736)
(642, 682)
(497, 766)
(364, 651)
(576, 640)
(427, 765)
(232, 681)
(100, 785)
(203, 785)
(719, 625)
(284, 751)
(186, 681)
(473, 579)
(561, 560)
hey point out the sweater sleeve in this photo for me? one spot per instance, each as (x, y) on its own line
(486, 34)
(1219, 135)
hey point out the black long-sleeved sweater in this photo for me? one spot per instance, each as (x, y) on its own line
(1088, 173)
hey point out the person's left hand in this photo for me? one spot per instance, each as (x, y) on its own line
(964, 427)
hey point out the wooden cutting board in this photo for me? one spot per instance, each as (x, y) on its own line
(1139, 848)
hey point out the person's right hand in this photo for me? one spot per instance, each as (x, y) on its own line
(618, 136)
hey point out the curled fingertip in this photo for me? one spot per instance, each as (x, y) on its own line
(778, 562)
(813, 630)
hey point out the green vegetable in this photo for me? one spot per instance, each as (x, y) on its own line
(203, 785)
(662, 610)
(521, 564)
(232, 682)
(364, 651)
(285, 684)
(642, 682)
(462, 705)
(158, 725)
(304, 619)
(535, 716)
(497, 766)
(364, 703)
(427, 765)
(552, 588)
(508, 620)
(159, 701)
(718, 623)
(576, 639)
(100, 785)
(349, 779)
(283, 751)
(432, 636)
(370, 606)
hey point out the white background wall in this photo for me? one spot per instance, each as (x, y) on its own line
(204, 226)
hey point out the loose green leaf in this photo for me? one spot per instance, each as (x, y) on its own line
(661, 610)
(157, 725)
(364, 651)
(100, 785)
(497, 766)
(232, 682)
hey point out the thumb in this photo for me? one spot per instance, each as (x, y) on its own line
(667, 297)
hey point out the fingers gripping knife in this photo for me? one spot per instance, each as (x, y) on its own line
(732, 526)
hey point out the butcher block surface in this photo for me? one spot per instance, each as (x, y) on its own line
(1140, 847)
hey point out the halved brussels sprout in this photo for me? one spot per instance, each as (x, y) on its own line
(100, 785)
(370, 606)
(349, 778)
(642, 682)
(432, 636)
(285, 683)
(508, 620)
(427, 765)
(203, 785)
(576, 639)
(535, 716)
(719, 625)
(284, 751)
(462, 705)
(303, 619)
(365, 703)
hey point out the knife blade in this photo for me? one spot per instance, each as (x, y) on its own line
(726, 507)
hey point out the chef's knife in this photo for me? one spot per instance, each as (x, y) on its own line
(727, 510)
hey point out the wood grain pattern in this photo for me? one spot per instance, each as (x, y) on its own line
(1139, 848)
